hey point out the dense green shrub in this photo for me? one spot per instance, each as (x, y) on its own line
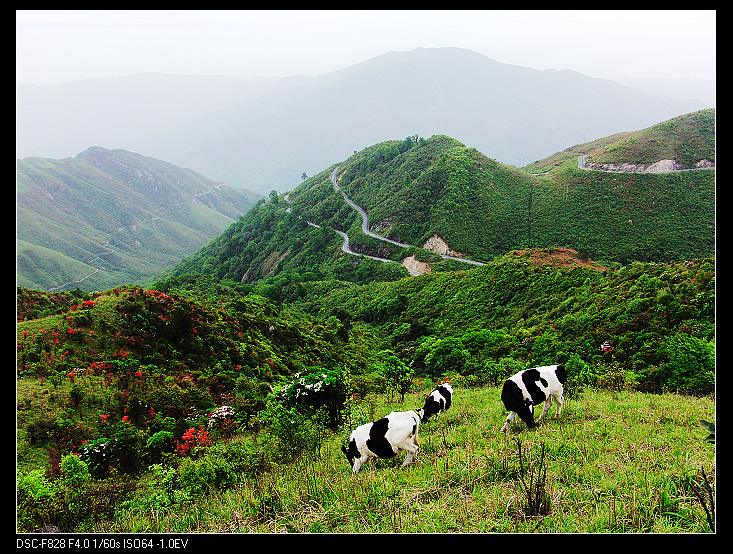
(495, 372)
(446, 355)
(210, 471)
(691, 366)
(74, 472)
(158, 444)
(294, 433)
(319, 389)
(368, 383)
(579, 373)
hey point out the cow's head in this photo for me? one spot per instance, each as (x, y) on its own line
(420, 413)
(352, 452)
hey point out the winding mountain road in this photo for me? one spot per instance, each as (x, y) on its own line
(365, 225)
(581, 165)
(345, 247)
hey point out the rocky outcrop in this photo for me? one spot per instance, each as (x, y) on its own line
(439, 246)
(415, 266)
(381, 226)
(662, 166)
(370, 250)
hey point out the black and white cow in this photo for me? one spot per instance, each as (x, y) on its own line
(526, 389)
(384, 438)
(437, 401)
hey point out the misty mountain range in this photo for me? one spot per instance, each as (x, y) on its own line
(261, 134)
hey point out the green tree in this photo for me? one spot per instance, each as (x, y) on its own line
(398, 374)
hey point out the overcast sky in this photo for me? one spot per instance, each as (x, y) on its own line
(58, 46)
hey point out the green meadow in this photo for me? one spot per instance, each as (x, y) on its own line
(615, 462)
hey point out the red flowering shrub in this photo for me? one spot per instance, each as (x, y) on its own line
(104, 418)
(88, 303)
(126, 419)
(139, 374)
(192, 438)
(99, 366)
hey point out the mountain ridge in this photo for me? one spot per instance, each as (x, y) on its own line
(119, 212)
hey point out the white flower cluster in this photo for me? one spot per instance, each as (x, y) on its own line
(220, 414)
(87, 449)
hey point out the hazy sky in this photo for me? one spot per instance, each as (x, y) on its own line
(57, 46)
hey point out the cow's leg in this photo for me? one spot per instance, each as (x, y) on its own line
(411, 449)
(548, 403)
(559, 399)
(509, 419)
(357, 465)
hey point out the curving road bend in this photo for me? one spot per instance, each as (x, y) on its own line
(345, 245)
(363, 214)
(365, 225)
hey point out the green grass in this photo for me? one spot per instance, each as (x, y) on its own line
(616, 462)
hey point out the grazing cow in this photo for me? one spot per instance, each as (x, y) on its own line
(438, 401)
(384, 438)
(526, 389)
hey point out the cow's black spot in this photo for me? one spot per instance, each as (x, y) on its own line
(560, 374)
(544, 383)
(511, 396)
(530, 378)
(352, 453)
(377, 441)
(414, 428)
(432, 407)
(446, 394)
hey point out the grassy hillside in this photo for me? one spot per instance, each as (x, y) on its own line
(269, 241)
(625, 217)
(686, 139)
(515, 313)
(417, 188)
(614, 462)
(122, 213)
(619, 463)
(137, 375)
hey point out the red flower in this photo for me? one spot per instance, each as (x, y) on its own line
(139, 374)
(71, 331)
(104, 417)
(191, 438)
(89, 303)
(74, 307)
(55, 337)
(126, 419)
